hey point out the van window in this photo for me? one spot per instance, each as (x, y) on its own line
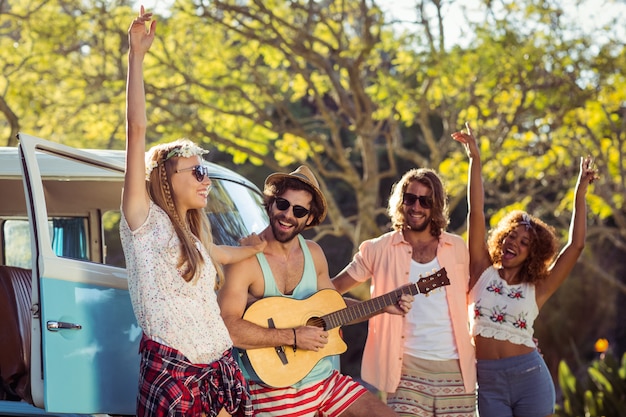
(76, 198)
(69, 237)
(234, 211)
(16, 242)
(113, 252)
(69, 240)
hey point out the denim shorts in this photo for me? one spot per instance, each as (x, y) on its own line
(519, 386)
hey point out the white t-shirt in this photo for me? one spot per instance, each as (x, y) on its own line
(428, 329)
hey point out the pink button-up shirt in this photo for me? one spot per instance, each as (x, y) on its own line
(387, 260)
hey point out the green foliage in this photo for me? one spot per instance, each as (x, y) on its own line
(62, 79)
(602, 392)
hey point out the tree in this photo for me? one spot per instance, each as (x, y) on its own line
(300, 82)
(63, 79)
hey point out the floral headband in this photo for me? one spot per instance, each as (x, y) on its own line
(526, 221)
(186, 150)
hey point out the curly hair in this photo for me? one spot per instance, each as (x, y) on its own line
(439, 211)
(277, 188)
(542, 248)
(196, 224)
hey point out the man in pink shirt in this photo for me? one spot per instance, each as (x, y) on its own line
(424, 360)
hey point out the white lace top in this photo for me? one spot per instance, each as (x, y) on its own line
(183, 315)
(503, 311)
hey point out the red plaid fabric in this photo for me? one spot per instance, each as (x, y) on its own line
(169, 385)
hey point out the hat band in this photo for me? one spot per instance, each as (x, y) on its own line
(297, 174)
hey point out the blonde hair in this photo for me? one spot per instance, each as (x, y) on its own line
(161, 163)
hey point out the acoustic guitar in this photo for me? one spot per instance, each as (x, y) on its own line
(282, 366)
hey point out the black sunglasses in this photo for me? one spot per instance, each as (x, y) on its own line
(298, 211)
(199, 171)
(408, 199)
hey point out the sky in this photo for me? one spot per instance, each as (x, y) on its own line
(587, 14)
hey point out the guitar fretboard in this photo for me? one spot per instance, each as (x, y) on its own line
(374, 305)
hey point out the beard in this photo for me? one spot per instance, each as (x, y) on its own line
(411, 224)
(285, 236)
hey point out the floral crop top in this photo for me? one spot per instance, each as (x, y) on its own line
(503, 311)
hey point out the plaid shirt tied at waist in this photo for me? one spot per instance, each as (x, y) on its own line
(172, 386)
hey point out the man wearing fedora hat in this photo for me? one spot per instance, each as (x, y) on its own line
(291, 267)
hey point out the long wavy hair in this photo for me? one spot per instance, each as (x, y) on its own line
(541, 250)
(161, 162)
(439, 211)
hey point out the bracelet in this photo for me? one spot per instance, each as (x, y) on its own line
(295, 341)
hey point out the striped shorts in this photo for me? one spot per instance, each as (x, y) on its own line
(327, 398)
(431, 388)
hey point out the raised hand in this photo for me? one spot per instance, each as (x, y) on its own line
(468, 140)
(588, 172)
(139, 37)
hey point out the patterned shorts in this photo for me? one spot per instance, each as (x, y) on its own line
(431, 388)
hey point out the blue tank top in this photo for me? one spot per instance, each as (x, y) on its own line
(305, 288)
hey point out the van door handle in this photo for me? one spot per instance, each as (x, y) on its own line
(55, 326)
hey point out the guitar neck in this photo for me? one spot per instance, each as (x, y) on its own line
(366, 308)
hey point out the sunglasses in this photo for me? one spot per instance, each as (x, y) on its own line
(199, 171)
(408, 199)
(298, 211)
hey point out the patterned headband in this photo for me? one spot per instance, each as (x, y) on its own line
(185, 150)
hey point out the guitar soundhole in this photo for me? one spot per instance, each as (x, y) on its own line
(317, 322)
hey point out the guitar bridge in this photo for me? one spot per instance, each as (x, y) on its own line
(280, 351)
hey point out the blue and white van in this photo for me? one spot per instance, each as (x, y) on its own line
(68, 336)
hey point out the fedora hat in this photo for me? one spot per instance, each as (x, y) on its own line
(305, 175)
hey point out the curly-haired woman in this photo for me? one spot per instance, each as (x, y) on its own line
(512, 275)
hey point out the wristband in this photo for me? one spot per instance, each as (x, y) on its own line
(295, 341)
